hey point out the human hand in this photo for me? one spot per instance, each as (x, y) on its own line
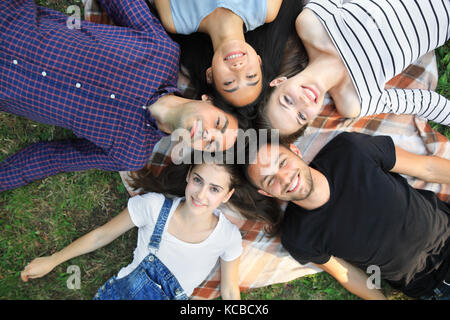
(37, 268)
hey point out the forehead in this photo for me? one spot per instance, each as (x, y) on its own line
(266, 162)
(243, 96)
(212, 174)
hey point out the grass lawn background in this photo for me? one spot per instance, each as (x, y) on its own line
(45, 216)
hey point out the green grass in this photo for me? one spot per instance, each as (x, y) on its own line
(47, 215)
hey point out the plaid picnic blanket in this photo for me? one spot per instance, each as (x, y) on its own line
(264, 261)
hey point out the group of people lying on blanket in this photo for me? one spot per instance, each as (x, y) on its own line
(115, 87)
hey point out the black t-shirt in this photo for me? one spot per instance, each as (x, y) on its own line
(373, 216)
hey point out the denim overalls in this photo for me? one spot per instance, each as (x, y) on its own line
(151, 280)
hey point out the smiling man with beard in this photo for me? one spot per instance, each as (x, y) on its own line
(350, 209)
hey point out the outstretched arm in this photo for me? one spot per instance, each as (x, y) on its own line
(229, 279)
(424, 103)
(353, 279)
(95, 239)
(426, 168)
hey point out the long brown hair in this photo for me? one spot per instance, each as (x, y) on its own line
(245, 199)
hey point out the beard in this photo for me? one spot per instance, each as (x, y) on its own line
(309, 184)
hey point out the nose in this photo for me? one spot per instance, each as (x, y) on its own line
(201, 194)
(237, 65)
(284, 180)
(210, 136)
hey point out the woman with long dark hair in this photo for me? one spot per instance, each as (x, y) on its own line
(180, 238)
(235, 67)
(268, 41)
(354, 48)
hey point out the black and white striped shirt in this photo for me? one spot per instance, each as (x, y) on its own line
(378, 39)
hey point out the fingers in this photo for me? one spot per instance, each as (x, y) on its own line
(27, 272)
(24, 276)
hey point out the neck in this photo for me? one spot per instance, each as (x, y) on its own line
(222, 25)
(166, 111)
(194, 219)
(327, 78)
(320, 193)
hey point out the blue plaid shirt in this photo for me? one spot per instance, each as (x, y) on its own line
(96, 80)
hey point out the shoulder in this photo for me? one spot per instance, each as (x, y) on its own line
(355, 146)
(310, 29)
(228, 228)
(165, 13)
(151, 200)
(273, 7)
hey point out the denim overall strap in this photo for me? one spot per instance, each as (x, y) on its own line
(159, 226)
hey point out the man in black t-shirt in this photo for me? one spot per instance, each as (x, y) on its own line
(350, 211)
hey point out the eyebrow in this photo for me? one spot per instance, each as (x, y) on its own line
(231, 90)
(252, 84)
(212, 184)
(225, 126)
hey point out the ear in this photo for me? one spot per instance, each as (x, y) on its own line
(205, 97)
(295, 150)
(260, 60)
(209, 77)
(264, 193)
(228, 196)
(277, 81)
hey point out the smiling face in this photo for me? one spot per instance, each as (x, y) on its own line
(236, 72)
(294, 103)
(210, 128)
(208, 186)
(281, 173)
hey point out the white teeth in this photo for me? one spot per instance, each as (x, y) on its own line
(234, 56)
(196, 203)
(311, 95)
(294, 184)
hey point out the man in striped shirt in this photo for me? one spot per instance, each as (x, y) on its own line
(113, 86)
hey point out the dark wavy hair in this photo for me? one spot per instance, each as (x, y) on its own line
(269, 41)
(295, 60)
(245, 199)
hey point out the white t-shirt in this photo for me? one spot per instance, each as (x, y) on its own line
(190, 263)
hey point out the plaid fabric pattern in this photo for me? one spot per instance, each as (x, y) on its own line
(90, 78)
(264, 261)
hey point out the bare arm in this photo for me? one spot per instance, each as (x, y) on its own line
(426, 168)
(165, 15)
(353, 279)
(229, 279)
(273, 7)
(95, 239)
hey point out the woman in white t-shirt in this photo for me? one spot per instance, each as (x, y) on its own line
(179, 239)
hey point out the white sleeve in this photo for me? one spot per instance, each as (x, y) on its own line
(423, 103)
(234, 247)
(145, 208)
